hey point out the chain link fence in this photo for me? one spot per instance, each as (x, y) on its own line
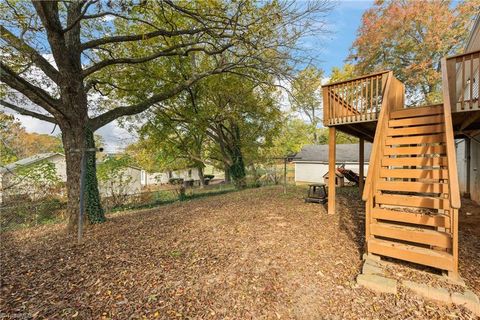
(23, 212)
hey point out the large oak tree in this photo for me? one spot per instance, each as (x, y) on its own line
(83, 64)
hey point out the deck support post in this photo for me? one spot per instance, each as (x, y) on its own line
(468, 142)
(361, 165)
(331, 169)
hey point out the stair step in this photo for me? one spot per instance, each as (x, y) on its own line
(410, 217)
(434, 138)
(416, 112)
(414, 161)
(428, 257)
(441, 174)
(416, 121)
(412, 234)
(413, 186)
(436, 128)
(415, 150)
(412, 201)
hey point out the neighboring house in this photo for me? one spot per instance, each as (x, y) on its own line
(34, 177)
(155, 178)
(126, 181)
(311, 163)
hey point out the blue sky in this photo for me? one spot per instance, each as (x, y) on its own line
(343, 22)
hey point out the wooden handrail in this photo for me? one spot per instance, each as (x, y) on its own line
(460, 55)
(449, 89)
(378, 141)
(356, 79)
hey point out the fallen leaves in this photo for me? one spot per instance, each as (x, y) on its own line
(249, 254)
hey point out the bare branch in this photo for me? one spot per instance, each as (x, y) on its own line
(26, 112)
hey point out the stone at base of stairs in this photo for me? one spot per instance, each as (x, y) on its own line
(377, 283)
(468, 299)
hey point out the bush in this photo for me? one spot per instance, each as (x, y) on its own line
(209, 176)
(175, 181)
(27, 213)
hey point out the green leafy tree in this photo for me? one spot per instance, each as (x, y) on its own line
(306, 97)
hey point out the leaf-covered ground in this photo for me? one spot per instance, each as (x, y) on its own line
(254, 254)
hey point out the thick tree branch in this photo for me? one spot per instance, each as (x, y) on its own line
(26, 112)
(24, 48)
(172, 51)
(118, 112)
(81, 15)
(137, 37)
(34, 93)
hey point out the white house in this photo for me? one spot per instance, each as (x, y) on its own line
(127, 181)
(33, 177)
(311, 163)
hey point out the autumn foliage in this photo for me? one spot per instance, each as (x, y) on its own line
(410, 38)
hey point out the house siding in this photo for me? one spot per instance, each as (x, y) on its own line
(312, 172)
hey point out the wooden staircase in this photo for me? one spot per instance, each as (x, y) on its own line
(411, 192)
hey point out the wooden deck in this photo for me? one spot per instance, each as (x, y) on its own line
(413, 162)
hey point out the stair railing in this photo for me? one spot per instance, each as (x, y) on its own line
(450, 98)
(449, 86)
(393, 99)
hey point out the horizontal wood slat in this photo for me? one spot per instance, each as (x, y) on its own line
(415, 150)
(413, 186)
(436, 128)
(419, 161)
(412, 234)
(416, 112)
(410, 217)
(412, 201)
(415, 121)
(434, 138)
(432, 258)
(414, 173)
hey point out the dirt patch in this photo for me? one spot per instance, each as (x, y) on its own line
(255, 254)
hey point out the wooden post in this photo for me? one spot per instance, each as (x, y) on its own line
(331, 169)
(361, 165)
(468, 142)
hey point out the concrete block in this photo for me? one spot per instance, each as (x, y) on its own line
(431, 293)
(370, 256)
(377, 283)
(469, 300)
(371, 269)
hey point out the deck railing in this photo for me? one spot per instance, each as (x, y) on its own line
(463, 77)
(354, 100)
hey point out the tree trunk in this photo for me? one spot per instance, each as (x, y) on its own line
(201, 176)
(237, 169)
(94, 209)
(73, 140)
(227, 173)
